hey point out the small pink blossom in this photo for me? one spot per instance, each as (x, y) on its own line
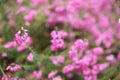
(13, 67)
(4, 54)
(57, 60)
(57, 78)
(97, 51)
(118, 56)
(67, 69)
(37, 74)
(19, 1)
(52, 74)
(30, 57)
(111, 58)
(19, 38)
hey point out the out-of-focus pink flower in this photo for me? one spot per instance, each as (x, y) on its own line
(13, 67)
(52, 74)
(10, 44)
(19, 38)
(67, 69)
(103, 66)
(4, 54)
(37, 74)
(97, 51)
(77, 49)
(30, 57)
(81, 44)
(36, 3)
(9, 77)
(111, 58)
(57, 40)
(19, 1)
(30, 16)
(21, 9)
(57, 60)
(118, 56)
(22, 40)
(57, 78)
(24, 45)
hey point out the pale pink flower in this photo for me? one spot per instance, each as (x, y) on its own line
(52, 74)
(4, 55)
(57, 60)
(30, 57)
(13, 67)
(37, 74)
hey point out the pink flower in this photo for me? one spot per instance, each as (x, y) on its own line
(52, 74)
(57, 60)
(97, 51)
(30, 57)
(103, 66)
(19, 1)
(67, 69)
(4, 54)
(57, 40)
(19, 38)
(37, 74)
(30, 16)
(57, 78)
(80, 44)
(36, 3)
(10, 44)
(111, 58)
(21, 9)
(13, 67)
(118, 56)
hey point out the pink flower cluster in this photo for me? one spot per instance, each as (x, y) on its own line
(37, 75)
(30, 57)
(53, 75)
(84, 61)
(93, 19)
(57, 60)
(13, 67)
(77, 49)
(22, 40)
(57, 40)
(8, 77)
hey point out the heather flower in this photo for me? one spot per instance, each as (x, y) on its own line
(10, 44)
(103, 66)
(111, 58)
(57, 60)
(97, 51)
(58, 34)
(57, 78)
(30, 57)
(36, 3)
(77, 49)
(25, 44)
(118, 56)
(19, 37)
(19, 1)
(13, 67)
(80, 44)
(8, 77)
(52, 74)
(22, 37)
(57, 40)
(21, 9)
(67, 69)
(37, 74)
(4, 55)
(30, 16)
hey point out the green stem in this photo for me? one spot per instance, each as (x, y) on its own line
(2, 71)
